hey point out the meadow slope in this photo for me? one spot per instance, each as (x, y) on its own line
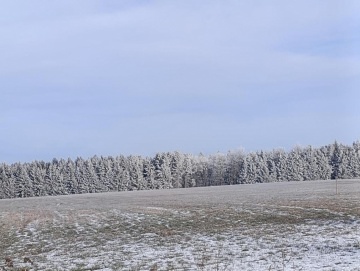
(274, 226)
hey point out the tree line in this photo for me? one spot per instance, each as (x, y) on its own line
(178, 170)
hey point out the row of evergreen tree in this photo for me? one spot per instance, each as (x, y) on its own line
(177, 170)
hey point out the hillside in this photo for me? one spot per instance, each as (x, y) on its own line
(275, 226)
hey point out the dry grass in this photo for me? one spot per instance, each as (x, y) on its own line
(273, 233)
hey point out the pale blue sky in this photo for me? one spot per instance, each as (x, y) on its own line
(87, 77)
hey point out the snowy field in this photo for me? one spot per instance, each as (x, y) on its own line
(276, 226)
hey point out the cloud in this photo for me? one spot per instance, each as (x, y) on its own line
(77, 66)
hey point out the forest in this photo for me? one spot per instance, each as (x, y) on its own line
(178, 170)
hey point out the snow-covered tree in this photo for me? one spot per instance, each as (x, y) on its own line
(136, 172)
(336, 160)
(7, 182)
(218, 169)
(70, 178)
(175, 170)
(149, 174)
(162, 167)
(188, 171)
(295, 165)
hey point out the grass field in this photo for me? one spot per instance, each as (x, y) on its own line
(276, 226)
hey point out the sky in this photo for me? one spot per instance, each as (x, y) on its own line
(110, 77)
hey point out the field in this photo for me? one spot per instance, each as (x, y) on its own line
(276, 226)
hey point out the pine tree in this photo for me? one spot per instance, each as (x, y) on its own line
(162, 167)
(188, 172)
(23, 183)
(355, 160)
(263, 174)
(218, 169)
(176, 165)
(70, 178)
(336, 160)
(80, 175)
(136, 171)
(280, 161)
(7, 182)
(233, 167)
(202, 170)
(243, 169)
(323, 166)
(295, 165)
(149, 173)
(55, 179)
(121, 175)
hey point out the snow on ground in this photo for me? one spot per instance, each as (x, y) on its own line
(287, 226)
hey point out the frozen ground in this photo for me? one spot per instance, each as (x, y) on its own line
(277, 226)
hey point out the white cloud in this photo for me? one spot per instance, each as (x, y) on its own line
(125, 59)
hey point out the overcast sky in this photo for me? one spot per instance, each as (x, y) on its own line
(88, 77)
